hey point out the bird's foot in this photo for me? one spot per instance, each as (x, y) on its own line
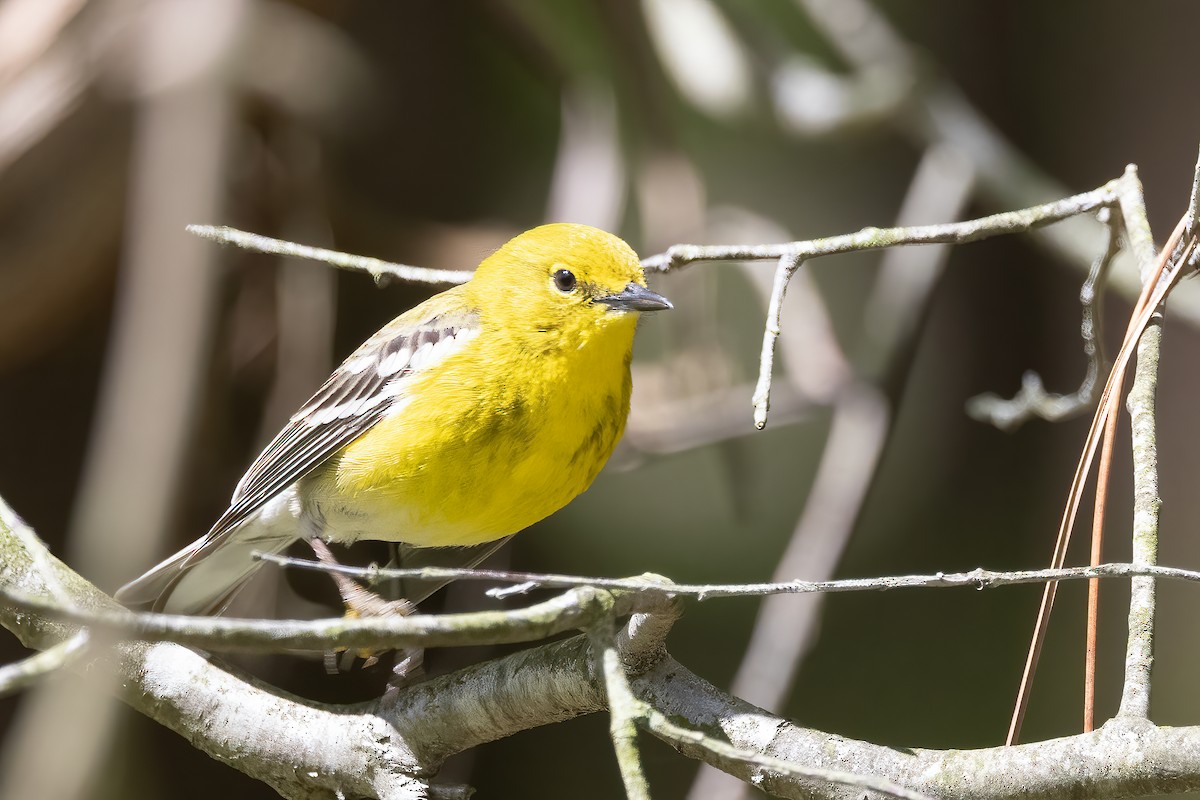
(359, 602)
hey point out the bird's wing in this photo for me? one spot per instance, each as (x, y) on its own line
(359, 393)
(363, 390)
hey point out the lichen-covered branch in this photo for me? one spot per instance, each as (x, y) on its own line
(1139, 652)
(386, 750)
(623, 711)
(1125, 758)
(389, 748)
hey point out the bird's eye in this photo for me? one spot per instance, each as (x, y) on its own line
(564, 280)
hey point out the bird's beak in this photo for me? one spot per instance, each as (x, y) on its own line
(635, 297)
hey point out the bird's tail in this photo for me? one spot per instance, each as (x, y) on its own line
(205, 576)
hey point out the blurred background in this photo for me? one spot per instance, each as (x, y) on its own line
(141, 368)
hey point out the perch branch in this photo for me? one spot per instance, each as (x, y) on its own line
(387, 748)
(527, 581)
(574, 610)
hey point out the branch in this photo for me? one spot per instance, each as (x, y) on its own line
(1033, 400)
(27, 671)
(793, 254)
(623, 711)
(387, 748)
(579, 608)
(1125, 758)
(788, 264)
(376, 268)
(1139, 654)
(978, 578)
(302, 749)
(682, 255)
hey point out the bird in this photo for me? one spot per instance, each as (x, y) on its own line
(466, 419)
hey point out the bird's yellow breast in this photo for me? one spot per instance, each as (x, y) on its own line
(479, 451)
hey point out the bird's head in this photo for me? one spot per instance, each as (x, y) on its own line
(564, 278)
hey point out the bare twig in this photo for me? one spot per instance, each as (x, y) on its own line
(1139, 655)
(624, 711)
(762, 391)
(1033, 400)
(375, 267)
(681, 255)
(527, 581)
(17, 676)
(577, 609)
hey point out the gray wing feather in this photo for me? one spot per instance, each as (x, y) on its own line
(360, 392)
(356, 396)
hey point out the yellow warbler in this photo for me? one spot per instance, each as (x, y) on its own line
(479, 412)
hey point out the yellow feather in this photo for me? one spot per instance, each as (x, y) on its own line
(464, 420)
(511, 428)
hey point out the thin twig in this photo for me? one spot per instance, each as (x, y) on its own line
(624, 710)
(1139, 655)
(576, 609)
(1033, 400)
(19, 675)
(528, 581)
(788, 264)
(376, 268)
(1025, 219)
